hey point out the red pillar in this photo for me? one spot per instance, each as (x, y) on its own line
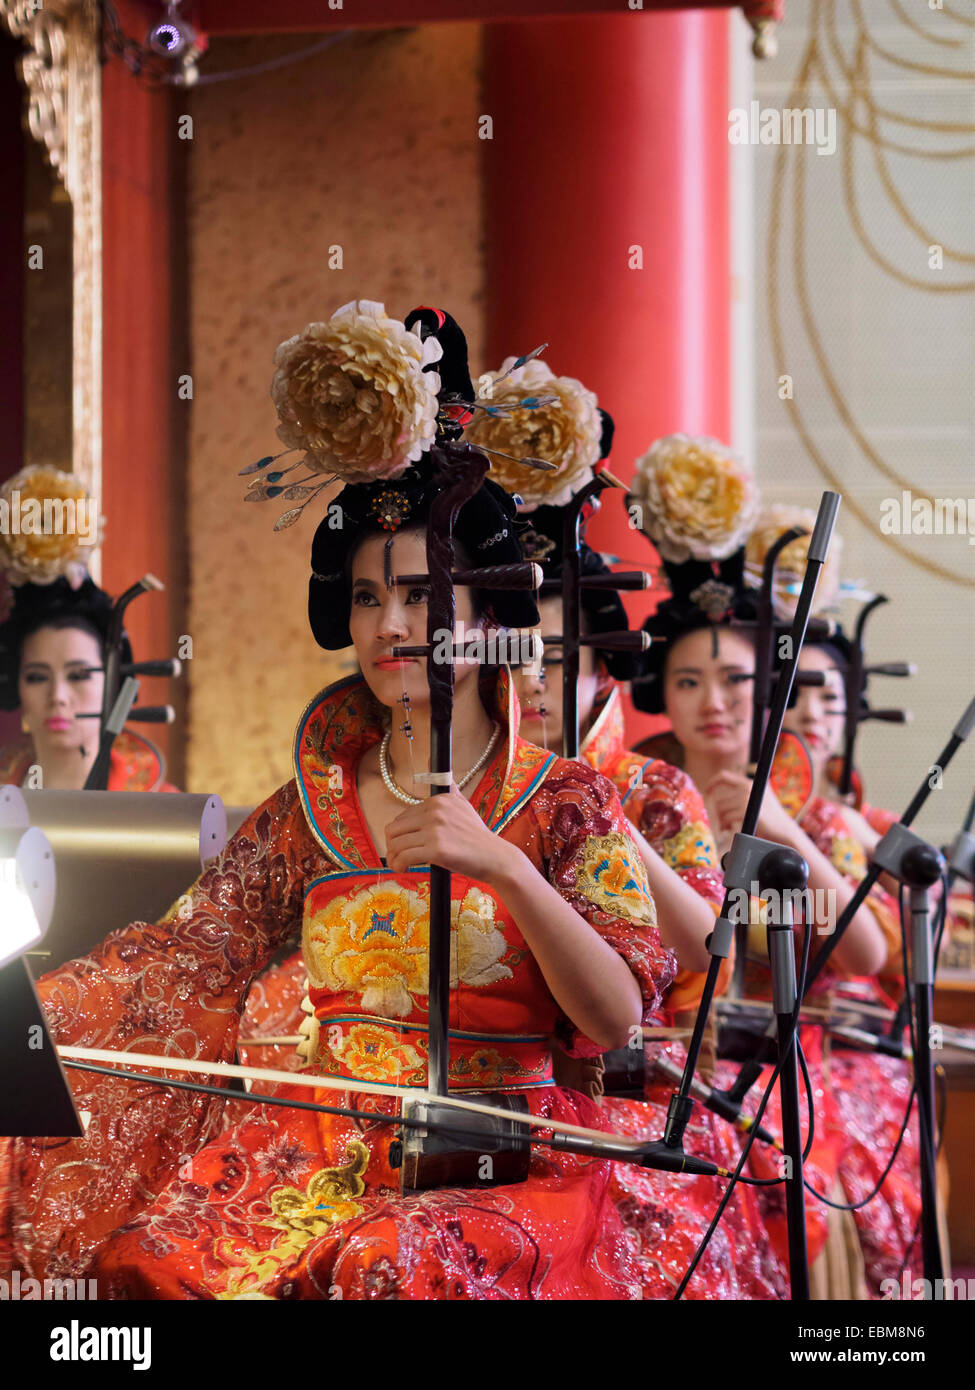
(609, 134)
(141, 412)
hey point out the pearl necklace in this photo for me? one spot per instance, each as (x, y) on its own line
(396, 790)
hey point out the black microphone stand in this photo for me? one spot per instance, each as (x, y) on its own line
(750, 1071)
(920, 866)
(906, 857)
(761, 703)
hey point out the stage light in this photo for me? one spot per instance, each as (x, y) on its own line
(27, 884)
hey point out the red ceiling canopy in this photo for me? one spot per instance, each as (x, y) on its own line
(313, 16)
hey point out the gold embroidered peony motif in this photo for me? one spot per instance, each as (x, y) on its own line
(692, 845)
(375, 943)
(476, 944)
(373, 1053)
(327, 1199)
(301, 1216)
(612, 876)
(846, 855)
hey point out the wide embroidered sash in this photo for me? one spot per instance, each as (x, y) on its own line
(359, 1048)
(366, 944)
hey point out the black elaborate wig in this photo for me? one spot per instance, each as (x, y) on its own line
(58, 605)
(486, 530)
(703, 594)
(602, 609)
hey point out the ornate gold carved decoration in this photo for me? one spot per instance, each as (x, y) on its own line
(62, 75)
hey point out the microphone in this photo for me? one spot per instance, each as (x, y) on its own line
(653, 1154)
(719, 1102)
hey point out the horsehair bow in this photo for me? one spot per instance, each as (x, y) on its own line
(574, 1138)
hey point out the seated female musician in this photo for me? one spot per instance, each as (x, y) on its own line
(572, 433)
(661, 802)
(871, 1090)
(554, 928)
(52, 653)
(699, 674)
(701, 662)
(670, 827)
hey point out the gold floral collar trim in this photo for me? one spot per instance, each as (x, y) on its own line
(606, 734)
(346, 719)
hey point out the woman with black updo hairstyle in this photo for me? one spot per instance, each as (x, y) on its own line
(699, 673)
(553, 932)
(670, 827)
(52, 658)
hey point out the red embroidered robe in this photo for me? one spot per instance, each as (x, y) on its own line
(162, 1199)
(664, 804)
(135, 764)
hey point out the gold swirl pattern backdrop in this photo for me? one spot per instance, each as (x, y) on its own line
(865, 316)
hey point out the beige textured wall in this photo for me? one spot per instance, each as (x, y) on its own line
(371, 145)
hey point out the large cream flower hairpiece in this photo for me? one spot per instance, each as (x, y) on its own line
(693, 498)
(354, 396)
(791, 564)
(532, 417)
(48, 527)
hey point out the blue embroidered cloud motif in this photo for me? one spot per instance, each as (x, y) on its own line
(382, 922)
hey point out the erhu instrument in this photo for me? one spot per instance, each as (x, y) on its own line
(122, 686)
